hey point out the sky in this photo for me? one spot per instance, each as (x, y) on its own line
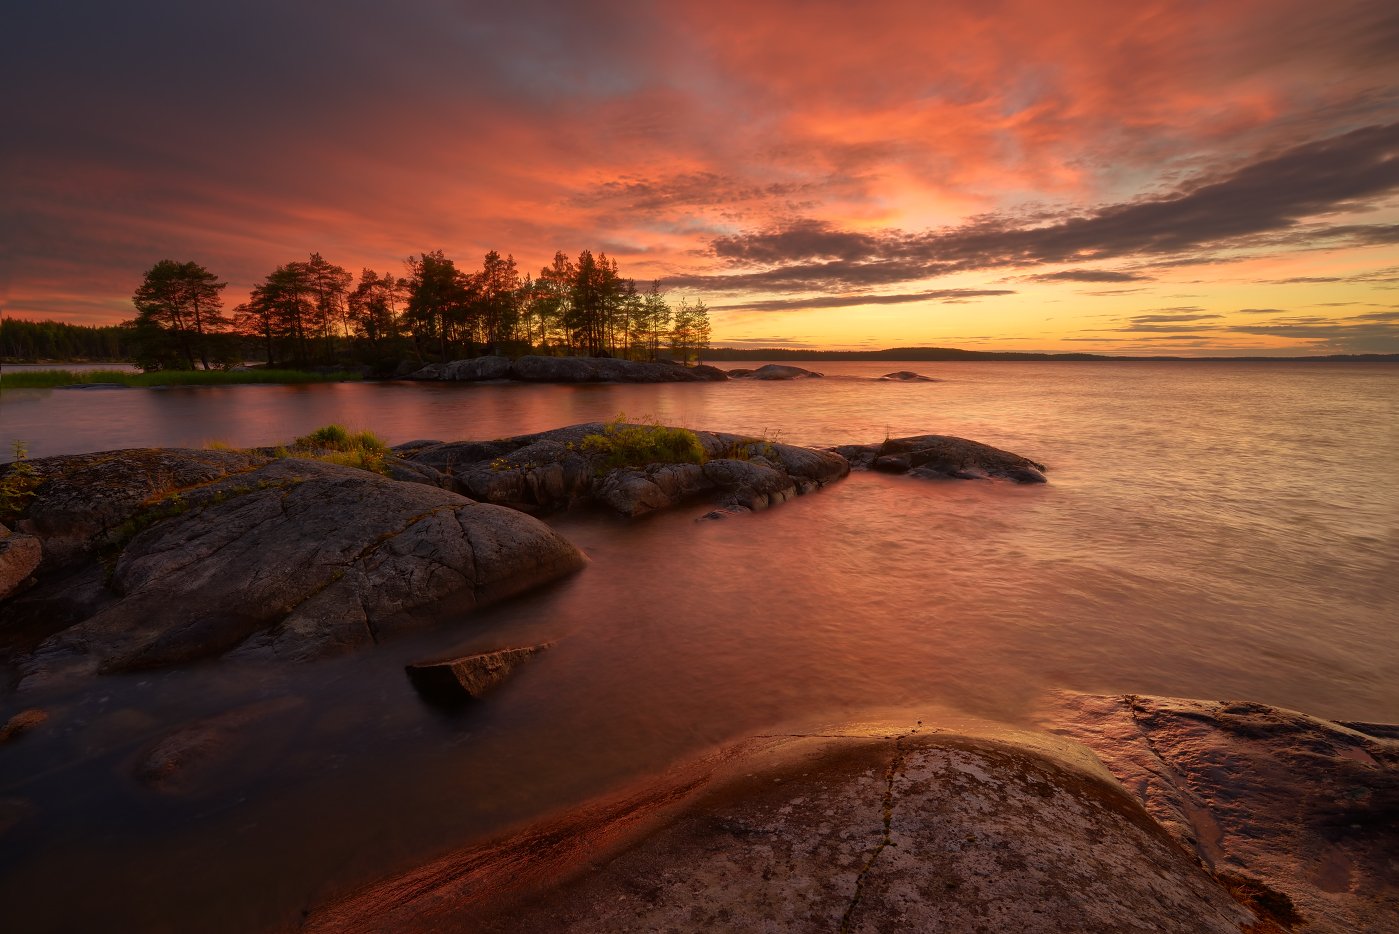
(1193, 177)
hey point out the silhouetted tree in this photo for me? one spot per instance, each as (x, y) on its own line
(178, 310)
(373, 306)
(689, 333)
(438, 298)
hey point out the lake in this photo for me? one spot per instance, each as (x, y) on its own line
(1216, 530)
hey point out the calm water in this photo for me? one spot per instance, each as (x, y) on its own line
(1209, 530)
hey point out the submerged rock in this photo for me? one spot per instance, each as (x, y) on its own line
(932, 456)
(457, 680)
(288, 558)
(22, 723)
(943, 832)
(203, 753)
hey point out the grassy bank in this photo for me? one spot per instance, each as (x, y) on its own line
(52, 379)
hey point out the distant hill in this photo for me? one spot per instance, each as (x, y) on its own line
(952, 353)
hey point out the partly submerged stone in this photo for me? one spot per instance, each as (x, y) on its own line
(22, 723)
(774, 371)
(943, 456)
(203, 753)
(454, 681)
(907, 376)
(293, 558)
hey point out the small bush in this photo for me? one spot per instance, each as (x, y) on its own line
(624, 445)
(337, 445)
(18, 485)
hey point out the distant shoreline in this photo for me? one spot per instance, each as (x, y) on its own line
(952, 354)
(908, 355)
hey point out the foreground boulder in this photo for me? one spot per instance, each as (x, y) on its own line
(538, 369)
(454, 681)
(19, 558)
(944, 831)
(942, 456)
(288, 558)
(556, 469)
(1290, 811)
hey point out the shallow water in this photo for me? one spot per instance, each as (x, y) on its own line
(1210, 529)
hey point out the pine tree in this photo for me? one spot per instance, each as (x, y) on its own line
(178, 311)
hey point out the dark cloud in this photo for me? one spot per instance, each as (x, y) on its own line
(1089, 275)
(1370, 333)
(802, 240)
(1169, 318)
(832, 276)
(1303, 280)
(768, 341)
(1101, 292)
(1261, 311)
(846, 301)
(686, 190)
(1269, 197)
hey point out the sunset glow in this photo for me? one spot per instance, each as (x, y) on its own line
(1166, 177)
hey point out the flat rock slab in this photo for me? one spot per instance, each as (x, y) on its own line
(1294, 811)
(917, 832)
(455, 681)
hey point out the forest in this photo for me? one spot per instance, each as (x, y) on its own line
(311, 313)
(54, 340)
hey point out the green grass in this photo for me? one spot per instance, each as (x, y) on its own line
(338, 445)
(53, 379)
(334, 444)
(623, 445)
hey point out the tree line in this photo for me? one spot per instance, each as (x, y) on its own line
(310, 312)
(55, 340)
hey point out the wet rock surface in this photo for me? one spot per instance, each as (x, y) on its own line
(537, 369)
(455, 681)
(1294, 812)
(942, 456)
(187, 555)
(957, 832)
(558, 469)
(908, 376)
